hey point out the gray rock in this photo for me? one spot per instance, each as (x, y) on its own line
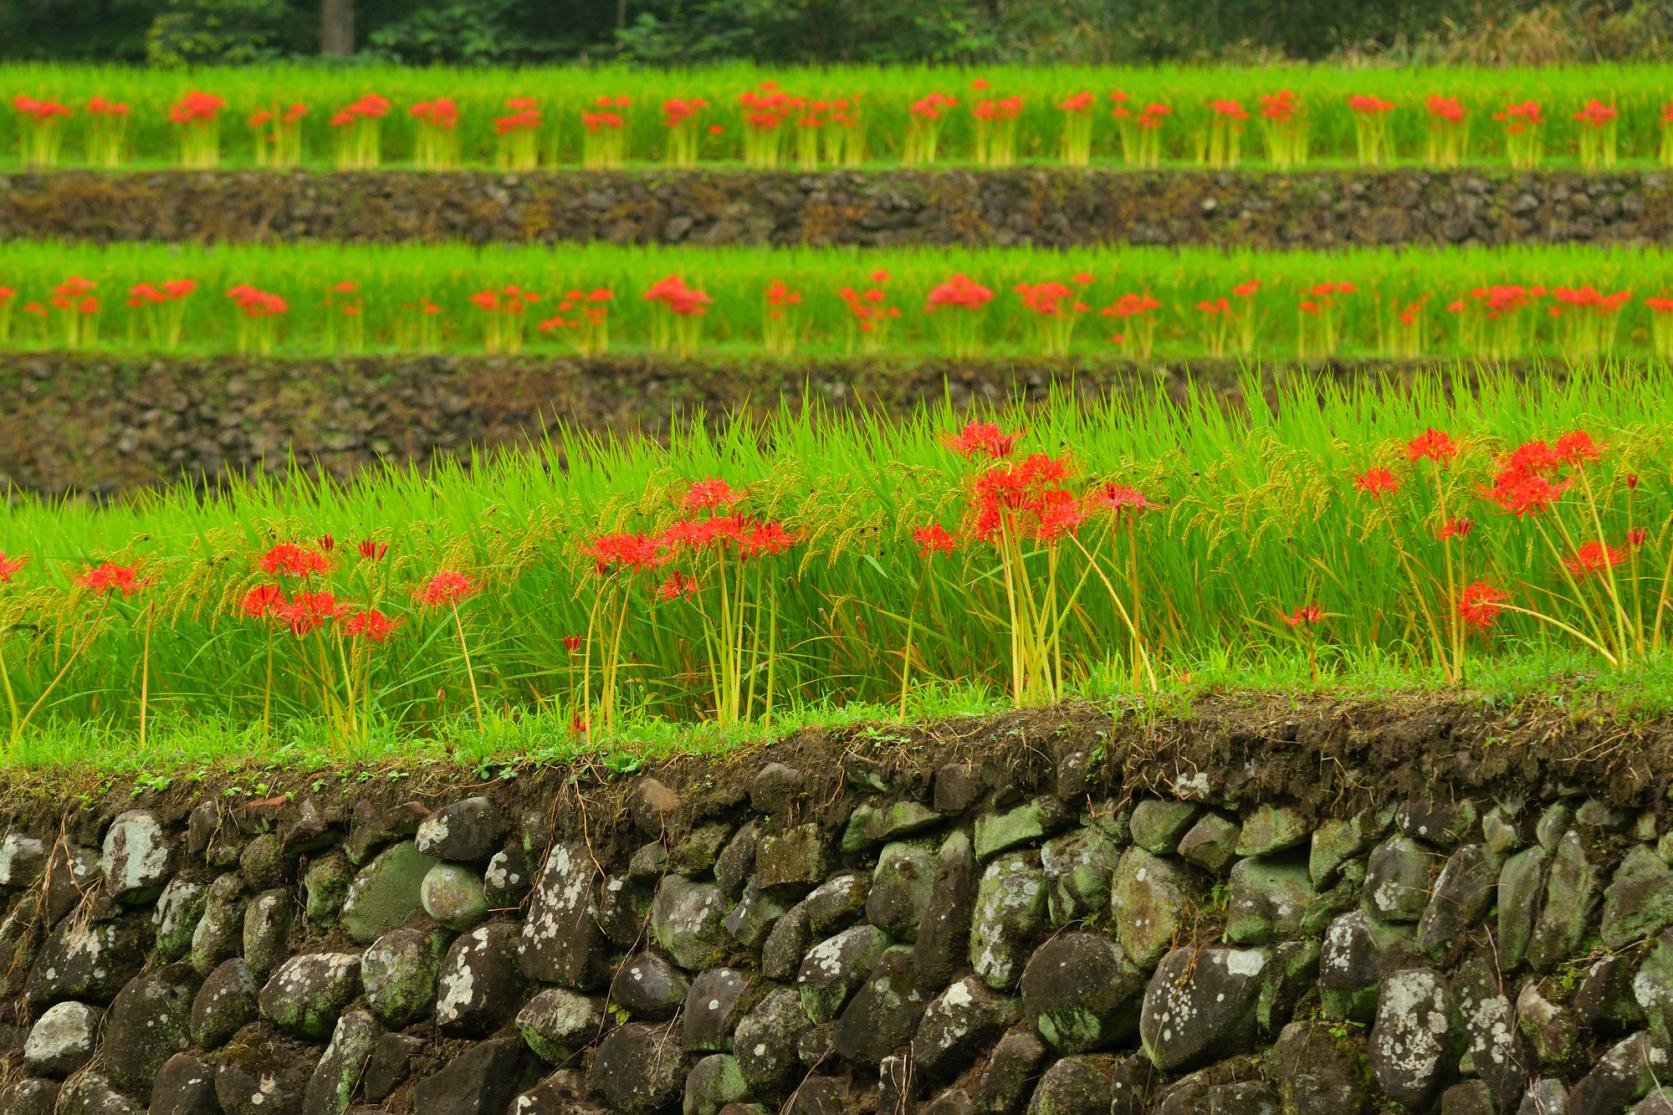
(467, 831)
(1010, 912)
(766, 1039)
(481, 1081)
(90, 1093)
(754, 917)
(943, 934)
(1334, 843)
(793, 860)
(138, 857)
(1545, 1097)
(337, 1077)
(1314, 1073)
(1267, 900)
(638, 1069)
(835, 967)
(687, 920)
(1639, 900)
(390, 1065)
(88, 960)
(1414, 1038)
(1624, 1074)
(1463, 893)
(225, 1004)
(775, 788)
(561, 941)
(1492, 1042)
(264, 862)
(1269, 829)
(371, 828)
(62, 1040)
(649, 987)
(1520, 882)
(149, 1021)
(1009, 1073)
(1026, 824)
(1397, 880)
(185, 1086)
(453, 896)
(718, 998)
(736, 862)
(1604, 1000)
(1081, 993)
(1440, 823)
(786, 944)
(871, 824)
(558, 1023)
(883, 1014)
(1552, 1031)
(399, 971)
(564, 1091)
(480, 986)
(308, 992)
(1075, 1086)
(1571, 892)
(1211, 843)
(385, 893)
(652, 806)
(220, 931)
(266, 924)
(1201, 1004)
(836, 903)
(712, 1084)
(1078, 866)
(22, 859)
(957, 1026)
(177, 913)
(697, 851)
(1148, 896)
(1159, 825)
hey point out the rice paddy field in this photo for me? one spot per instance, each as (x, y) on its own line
(1497, 520)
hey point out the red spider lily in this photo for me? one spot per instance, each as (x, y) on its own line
(1119, 498)
(263, 601)
(676, 110)
(10, 566)
(1596, 114)
(1519, 116)
(371, 550)
(985, 438)
(370, 624)
(933, 539)
(1480, 604)
(448, 588)
(1577, 448)
(107, 575)
(1594, 557)
(930, 107)
(1076, 102)
(287, 559)
(1367, 105)
(572, 643)
(959, 290)
(1025, 497)
(710, 493)
(1445, 110)
(1229, 108)
(196, 107)
(676, 586)
(309, 611)
(1455, 528)
(683, 300)
(39, 111)
(1520, 493)
(765, 538)
(529, 120)
(1637, 536)
(626, 551)
(1632, 481)
(440, 113)
(1375, 481)
(1309, 615)
(1280, 106)
(1434, 445)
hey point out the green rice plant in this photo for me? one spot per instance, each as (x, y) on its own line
(824, 117)
(1122, 541)
(1570, 302)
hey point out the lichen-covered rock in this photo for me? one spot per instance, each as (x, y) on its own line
(1200, 1005)
(558, 1023)
(715, 1002)
(1639, 900)
(1267, 900)
(1397, 880)
(766, 1039)
(220, 931)
(736, 862)
(185, 1086)
(883, 1014)
(564, 1091)
(224, 1004)
(749, 923)
(62, 1039)
(265, 863)
(399, 972)
(1147, 902)
(1270, 829)
(835, 967)
(22, 859)
(1571, 894)
(1414, 1038)
(1545, 1097)
(1624, 1074)
(1315, 1074)
(508, 878)
(466, 831)
(266, 925)
(944, 932)
(1604, 1000)
(262, 1071)
(176, 916)
(1520, 882)
(1492, 1042)
(1081, 993)
(638, 1069)
(90, 1093)
(872, 823)
(325, 885)
(786, 944)
(481, 1081)
(1210, 843)
(1334, 843)
(1552, 1031)
(1005, 1081)
(1440, 823)
(138, 857)
(1078, 866)
(1158, 825)
(836, 903)
(1010, 911)
(688, 921)
(648, 987)
(1462, 895)
(957, 1026)
(88, 960)
(712, 1084)
(337, 1076)
(1026, 824)
(793, 860)
(698, 850)
(385, 893)
(480, 986)
(307, 993)
(149, 1021)
(453, 896)
(561, 942)
(1075, 1086)
(900, 890)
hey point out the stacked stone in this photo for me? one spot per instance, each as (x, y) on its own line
(948, 945)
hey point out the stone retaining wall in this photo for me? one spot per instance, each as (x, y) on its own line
(1061, 919)
(1042, 206)
(100, 424)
